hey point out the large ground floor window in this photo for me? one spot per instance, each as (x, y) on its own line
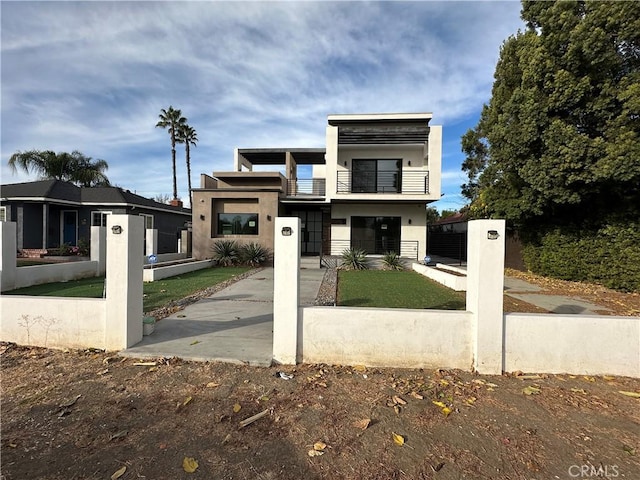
(377, 235)
(237, 224)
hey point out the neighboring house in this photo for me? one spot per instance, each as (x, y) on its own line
(367, 189)
(49, 213)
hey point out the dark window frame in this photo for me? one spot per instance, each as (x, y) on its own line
(235, 226)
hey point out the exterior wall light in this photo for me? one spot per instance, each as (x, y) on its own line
(492, 235)
(201, 217)
(116, 229)
(269, 217)
(287, 231)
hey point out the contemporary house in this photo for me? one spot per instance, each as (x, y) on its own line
(49, 213)
(367, 188)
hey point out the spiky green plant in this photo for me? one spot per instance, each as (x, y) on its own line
(354, 259)
(225, 252)
(392, 261)
(254, 254)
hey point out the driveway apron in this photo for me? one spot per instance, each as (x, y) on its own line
(233, 325)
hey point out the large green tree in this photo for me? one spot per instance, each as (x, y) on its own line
(188, 136)
(172, 120)
(70, 167)
(559, 141)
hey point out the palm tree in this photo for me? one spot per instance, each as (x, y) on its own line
(188, 136)
(172, 120)
(72, 167)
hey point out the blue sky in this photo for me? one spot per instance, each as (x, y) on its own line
(93, 76)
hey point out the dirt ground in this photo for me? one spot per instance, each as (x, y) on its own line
(92, 415)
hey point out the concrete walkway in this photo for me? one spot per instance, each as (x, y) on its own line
(530, 293)
(561, 304)
(234, 325)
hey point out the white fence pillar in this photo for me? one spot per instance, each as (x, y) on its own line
(151, 241)
(485, 284)
(8, 266)
(99, 248)
(125, 234)
(286, 289)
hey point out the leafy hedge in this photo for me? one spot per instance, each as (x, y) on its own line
(609, 256)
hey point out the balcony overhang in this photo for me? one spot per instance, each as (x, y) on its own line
(382, 129)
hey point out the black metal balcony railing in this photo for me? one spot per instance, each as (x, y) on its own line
(383, 182)
(311, 187)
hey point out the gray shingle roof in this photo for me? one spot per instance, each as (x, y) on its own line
(65, 191)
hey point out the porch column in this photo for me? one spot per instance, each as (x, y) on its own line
(286, 289)
(291, 169)
(45, 224)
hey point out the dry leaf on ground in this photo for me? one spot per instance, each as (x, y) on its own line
(189, 464)
(397, 439)
(118, 473)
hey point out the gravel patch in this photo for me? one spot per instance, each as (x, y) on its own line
(327, 291)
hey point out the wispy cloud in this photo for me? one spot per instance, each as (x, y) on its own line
(93, 75)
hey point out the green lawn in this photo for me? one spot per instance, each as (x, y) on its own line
(156, 294)
(396, 289)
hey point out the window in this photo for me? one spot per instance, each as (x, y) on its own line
(376, 176)
(148, 221)
(377, 235)
(99, 219)
(237, 224)
(3, 214)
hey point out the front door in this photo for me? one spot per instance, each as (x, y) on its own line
(70, 227)
(311, 238)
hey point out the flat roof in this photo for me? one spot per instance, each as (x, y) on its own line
(277, 156)
(337, 119)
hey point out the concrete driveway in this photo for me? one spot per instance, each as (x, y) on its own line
(234, 325)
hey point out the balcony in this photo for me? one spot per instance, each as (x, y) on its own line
(415, 182)
(306, 187)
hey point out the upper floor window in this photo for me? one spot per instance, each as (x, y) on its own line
(99, 218)
(376, 176)
(237, 224)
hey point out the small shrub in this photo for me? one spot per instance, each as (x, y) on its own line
(354, 259)
(225, 252)
(254, 254)
(392, 261)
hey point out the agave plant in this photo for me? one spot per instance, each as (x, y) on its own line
(354, 259)
(225, 252)
(392, 261)
(254, 254)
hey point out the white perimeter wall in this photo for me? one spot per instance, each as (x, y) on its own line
(417, 231)
(112, 323)
(55, 322)
(55, 272)
(382, 337)
(578, 344)
(481, 338)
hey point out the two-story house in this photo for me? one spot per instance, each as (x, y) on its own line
(367, 188)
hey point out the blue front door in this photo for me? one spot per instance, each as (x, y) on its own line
(70, 227)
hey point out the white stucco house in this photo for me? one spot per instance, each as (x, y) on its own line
(368, 188)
